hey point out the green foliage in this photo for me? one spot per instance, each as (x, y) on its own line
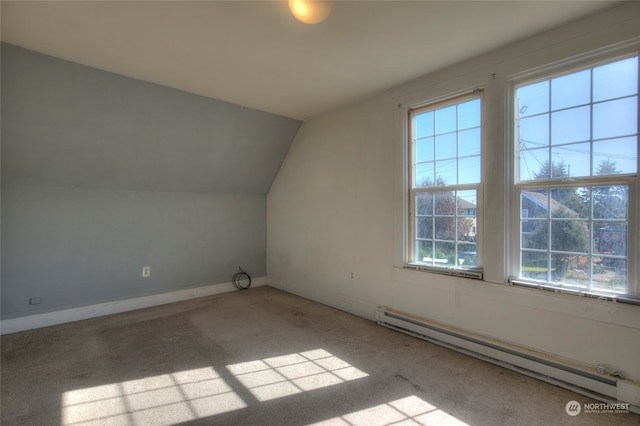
(607, 167)
(424, 253)
(567, 235)
(551, 171)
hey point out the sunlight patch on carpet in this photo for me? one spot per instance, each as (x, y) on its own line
(281, 376)
(406, 411)
(164, 399)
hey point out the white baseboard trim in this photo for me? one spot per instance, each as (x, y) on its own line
(30, 322)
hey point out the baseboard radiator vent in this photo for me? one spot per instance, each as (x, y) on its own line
(597, 386)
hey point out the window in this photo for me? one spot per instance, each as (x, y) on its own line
(445, 146)
(576, 146)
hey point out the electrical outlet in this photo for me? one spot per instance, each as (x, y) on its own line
(146, 271)
(35, 300)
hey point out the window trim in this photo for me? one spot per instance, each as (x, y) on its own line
(409, 231)
(556, 69)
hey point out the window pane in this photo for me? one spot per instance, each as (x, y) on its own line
(615, 80)
(575, 157)
(467, 202)
(445, 253)
(423, 125)
(570, 203)
(424, 250)
(614, 156)
(466, 212)
(424, 203)
(445, 228)
(469, 142)
(446, 146)
(534, 164)
(466, 255)
(447, 172)
(424, 150)
(571, 125)
(536, 203)
(466, 228)
(615, 118)
(424, 174)
(469, 114)
(445, 203)
(533, 132)
(613, 264)
(559, 269)
(424, 227)
(535, 234)
(469, 169)
(612, 276)
(570, 235)
(571, 90)
(533, 99)
(610, 202)
(611, 238)
(534, 265)
(446, 120)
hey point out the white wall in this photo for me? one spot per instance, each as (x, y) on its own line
(336, 207)
(330, 210)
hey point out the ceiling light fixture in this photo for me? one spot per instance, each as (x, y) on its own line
(310, 11)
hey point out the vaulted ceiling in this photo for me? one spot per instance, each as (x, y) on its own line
(255, 54)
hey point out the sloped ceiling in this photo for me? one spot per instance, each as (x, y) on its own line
(255, 54)
(66, 124)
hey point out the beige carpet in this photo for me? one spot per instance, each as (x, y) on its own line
(261, 357)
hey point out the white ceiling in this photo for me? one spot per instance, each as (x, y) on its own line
(255, 54)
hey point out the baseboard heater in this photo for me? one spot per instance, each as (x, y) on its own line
(601, 387)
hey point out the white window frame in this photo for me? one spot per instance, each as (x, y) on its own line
(409, 230)
(582, 62)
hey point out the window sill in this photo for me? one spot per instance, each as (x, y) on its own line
(617, 298)
(473, 273)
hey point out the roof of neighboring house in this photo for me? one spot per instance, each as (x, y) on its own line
(542, 199)
(464, 204)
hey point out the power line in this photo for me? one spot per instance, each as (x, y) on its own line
(580, 151)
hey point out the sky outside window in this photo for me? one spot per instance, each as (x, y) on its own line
(447, 145)
(571, 119)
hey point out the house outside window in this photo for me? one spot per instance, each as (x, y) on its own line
(576, 143)
(445, 175)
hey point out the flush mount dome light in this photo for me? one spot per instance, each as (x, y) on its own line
(310, 11)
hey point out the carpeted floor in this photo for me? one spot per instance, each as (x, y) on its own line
(261, 357)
